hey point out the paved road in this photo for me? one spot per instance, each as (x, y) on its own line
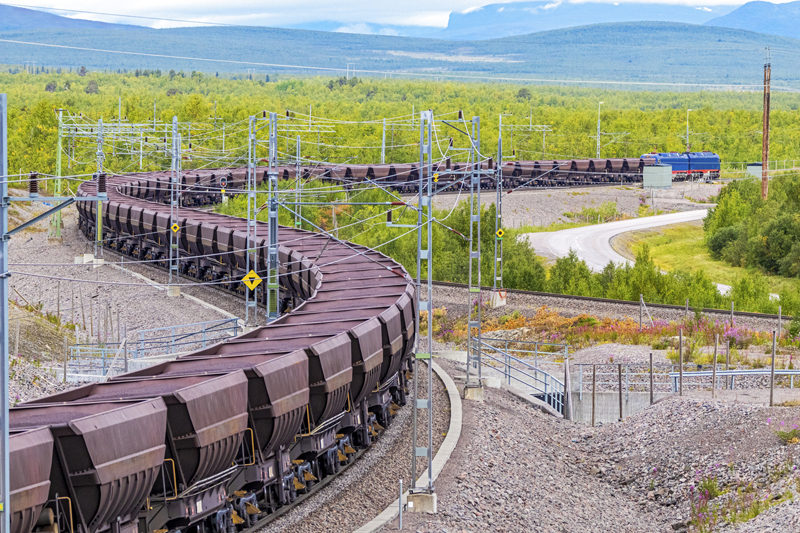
(593, 243)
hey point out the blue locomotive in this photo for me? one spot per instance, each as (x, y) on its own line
(687, 165)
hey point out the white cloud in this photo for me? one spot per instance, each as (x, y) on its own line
(355, 28)
(350, 14)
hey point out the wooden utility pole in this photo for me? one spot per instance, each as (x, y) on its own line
(765, 127)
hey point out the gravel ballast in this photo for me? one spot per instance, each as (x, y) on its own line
(368, 486)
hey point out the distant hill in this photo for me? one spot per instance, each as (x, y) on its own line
(17, 18)
(622, 52)
(518, 18)
(777, 19)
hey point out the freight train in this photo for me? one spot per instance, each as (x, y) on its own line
(222, 437)
(547, 173)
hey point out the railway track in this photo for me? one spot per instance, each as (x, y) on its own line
(627, 303)
(223, 438)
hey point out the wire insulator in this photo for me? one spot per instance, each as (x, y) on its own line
(33, 185)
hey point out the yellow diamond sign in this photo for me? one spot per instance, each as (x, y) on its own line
(222, 191)
(175, 228)
(252, 280)
(436, 177)
(500, 233)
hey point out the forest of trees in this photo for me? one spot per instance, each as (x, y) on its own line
(366, 224)
(730, 122)
(746, 231)
(742, 229)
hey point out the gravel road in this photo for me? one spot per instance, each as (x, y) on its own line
(593, 243)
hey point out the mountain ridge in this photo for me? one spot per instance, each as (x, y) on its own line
(640, 52)
(777, 19)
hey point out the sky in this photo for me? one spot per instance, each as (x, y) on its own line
(354, 15)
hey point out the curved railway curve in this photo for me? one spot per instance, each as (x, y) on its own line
(220, 438)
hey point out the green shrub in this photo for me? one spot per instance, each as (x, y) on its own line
(789, 437)
(720, 240)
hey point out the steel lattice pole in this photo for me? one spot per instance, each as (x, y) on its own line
(5, 482)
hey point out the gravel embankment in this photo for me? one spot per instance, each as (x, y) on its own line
(369, 486)
(28, 381)
(658, 456)
(547, 206)
(139, 306)
(457, 301)
(517, 469)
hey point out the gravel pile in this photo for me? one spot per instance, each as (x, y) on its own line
(369, 486)
(659, 456)
(547, 206)
(516, 469)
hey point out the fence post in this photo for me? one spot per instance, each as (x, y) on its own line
(400, 501)
(125, 355)
(772, 372)
(567, 398)
(729, 379)
(580, 383)
(627, 383)
(66, 353)
(594, 390)
(641, 311)
(731, 313)
(780, 326)
(619, 380)
(714, 370)
(651, 378)
(686, 312)
(680, 362)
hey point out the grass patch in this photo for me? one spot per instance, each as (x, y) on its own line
(682, 247)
